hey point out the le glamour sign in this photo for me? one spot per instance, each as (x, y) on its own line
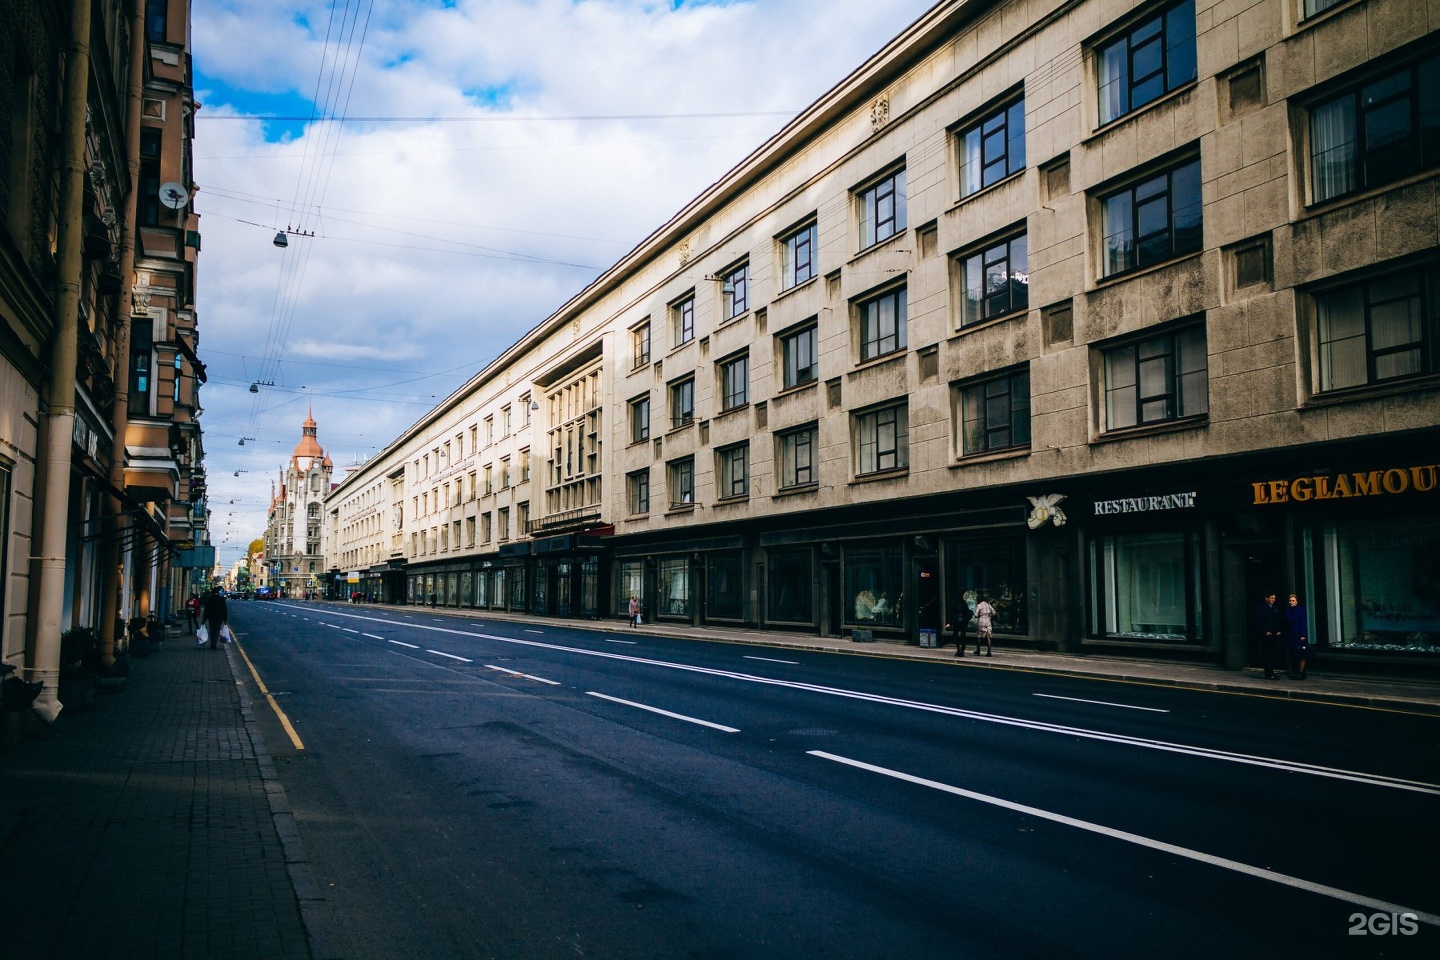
(1347, 485)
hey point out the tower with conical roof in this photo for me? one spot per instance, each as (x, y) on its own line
(292, 537)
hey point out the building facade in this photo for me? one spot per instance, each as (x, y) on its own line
(293, 530)
(1118, 314)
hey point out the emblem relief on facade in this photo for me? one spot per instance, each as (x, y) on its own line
(879, 112)
(684, 252)
(1045, 509)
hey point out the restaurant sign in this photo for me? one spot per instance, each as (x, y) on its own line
(1347, 485)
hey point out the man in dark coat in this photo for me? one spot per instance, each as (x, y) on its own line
(213, 609)
(1269, 623)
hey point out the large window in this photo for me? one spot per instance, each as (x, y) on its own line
(1376, 586)
(637, 488)
(640, 345)
(789, 586)
(734, 466)
(1377, 133)
(796, 453)
(149, 201)
(874, 585)
(995, 413)
(682, 321)
(1152, 58)
(681, 477)
(157, 19)
(724, 586)
(674, 587)
(682, 402)
(735, 294)
(797, 257)
(992, 149)
(640, 419)
(1146, 586)
(882, 209)
(797, 358)
(141, 364)
(735, 382)
(1153, 220)
(882, 324)
(882, 440)
(1158, 379)
(1387, 328)
(995, 280)
(991, 570)
(631, 583)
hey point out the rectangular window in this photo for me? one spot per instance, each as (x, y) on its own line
(882, 209)
(1381, 131)
(682, 402)
(734, 463)
(797, 257)
(882, 440)
(796, 453)
(991, 570)
(1153, 220)
(797, 357)
(502, 520)
(637, 489)
(735, 382)
(735, 295)
(1313, 7)
(992, 149)
(724, 586)
(674, 587)
(995, 414)
(504, 473)
(640, 419)
(141, 360)
(1373, 578)
(1146, 586)
(682, 322)
(1386, 328)
(485, 527)
(150, 177)
(996, 281)
(640, 345)
(874, 584)
(1158, 379)
(882, 324)
(1146, 62)
(157, 19)
(790, 586)
(681, 478)
(489, 473)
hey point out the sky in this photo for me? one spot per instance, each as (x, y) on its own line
(447, 174)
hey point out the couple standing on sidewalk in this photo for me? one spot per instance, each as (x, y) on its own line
(984, 616)
(1283, 628)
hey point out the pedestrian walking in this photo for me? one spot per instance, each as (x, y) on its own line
(216, 616)
(1269, 625)
(192, 611)
(984, 625)
(959, 625)
(1297, 638)
(634, 611)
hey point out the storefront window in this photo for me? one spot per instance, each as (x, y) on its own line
(466, 589)
(674, 587)
(994, 569)
(874, 586)
(1381, 585)
(482, 592)
(725, 593)
(452, 586)
(590, 587)
(1146, 586)
(517, 588)
(789, 587)
(540, 600)
(631, 584)
(497, 589)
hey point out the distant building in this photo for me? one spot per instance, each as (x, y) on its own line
(293, 553)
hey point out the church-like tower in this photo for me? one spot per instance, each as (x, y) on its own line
(293, 551)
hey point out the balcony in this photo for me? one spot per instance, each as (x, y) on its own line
(581, 519)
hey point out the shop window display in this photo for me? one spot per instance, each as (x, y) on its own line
(517, 589)
(1380, 582)
(789, 587)
(675, 587)
(482, 593)
(993, 570)
(875, 585)
(631, 583)
(725, 592)
(1146, 586)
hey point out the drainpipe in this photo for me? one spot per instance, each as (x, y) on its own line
(59, 415)
(115, 520)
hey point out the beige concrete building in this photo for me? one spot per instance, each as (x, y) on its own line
(1120, 315)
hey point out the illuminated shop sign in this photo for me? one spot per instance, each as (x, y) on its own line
(1344, 486)
(1169, 501)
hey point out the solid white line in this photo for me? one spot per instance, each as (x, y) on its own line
(402, 643)
(793, 663)
(1160, 845)
(517, 673)
(665, 713)
(1101, 703)
(442, 653)
(372, 636)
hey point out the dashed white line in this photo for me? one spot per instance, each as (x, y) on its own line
(348, 630)
(528, 630)
(402, 643)
(372, 636)
(517, 673)
(793, 663)
(1101, 703)
(1160, 845)
(665, 713)
(629, 642)
(442, 653)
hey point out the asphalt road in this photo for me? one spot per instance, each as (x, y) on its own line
(483, 789)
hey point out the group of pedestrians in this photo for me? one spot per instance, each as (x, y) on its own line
(212, 611)
(984, 617)
(1283, 632)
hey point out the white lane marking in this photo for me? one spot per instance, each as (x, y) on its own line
(402, 643)
(517, 673)
(372, 636)
(630, 643)
(793, 663)
(1160, 845)
(528, 630)
(665, 713)
(1101, 703)
(442, 653)
(1287, 766)
(348, 630)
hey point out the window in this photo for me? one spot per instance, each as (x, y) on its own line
(797, 358)
(157, 19)
(485, 527)
(640, 419)
(882, 440)
(797, 257)
(637, 490)
(874, 584)
(522, 518)
(1146, 585)
(149, 177)
(504, 473)
(790, 586)
(1152, 58)
(489, 473)
(179, 376)
(524, 465)
(1157, 379)
(882, 324)
(995, 414)
(682, 482)
(1377, 133)
(995, 280)
(735, 382)
(674, 587)
(141, 334)
(1386, 328)
(1313, 7)
(1153, 220)
(502, 521)
(735, 295)
(640, 345)
(882, 209)
(525, 402)
(489, 430)
(505, 421)
(734, 463)
(682, 321)
(682, 402)
(992, 149)
(796, 453)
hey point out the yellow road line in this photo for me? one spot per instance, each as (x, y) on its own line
(284, 720)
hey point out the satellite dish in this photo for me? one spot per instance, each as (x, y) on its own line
(173, 195)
